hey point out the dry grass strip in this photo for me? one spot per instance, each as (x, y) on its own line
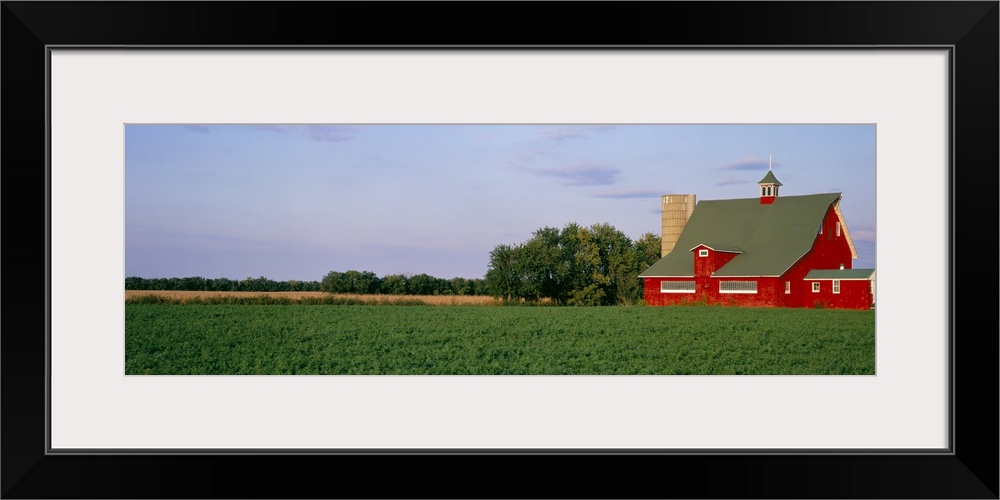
(436, 300)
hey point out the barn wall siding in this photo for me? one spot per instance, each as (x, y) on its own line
(854, 294)
(707, 292)
(829, 251)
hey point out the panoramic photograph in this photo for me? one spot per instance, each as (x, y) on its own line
(501, 249)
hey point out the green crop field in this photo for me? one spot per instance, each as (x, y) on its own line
(474, 340)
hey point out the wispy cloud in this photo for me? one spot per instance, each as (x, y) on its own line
(748, 163)
(274, 128)
(729, 181)
(629, 194)
(862, 233)
(563, 133)
(529, 152)
(547, 141)
(580, 175)
(328, 133)
(323, 133)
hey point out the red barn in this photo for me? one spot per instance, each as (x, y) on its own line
(770, 251)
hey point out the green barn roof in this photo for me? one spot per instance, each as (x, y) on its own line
(769, 238)
(840, 274)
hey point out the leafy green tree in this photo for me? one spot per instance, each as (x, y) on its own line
(540, 264)
(223, 285)
(596, 265)
(648, 249)
(394, 284)
(459, 286)
(422, 284)
(352, 281)
(477, 287)
(647, 252)
(595, 282)
(619, 265)
(503, 279)
(590, 295)
(135, 283)
(368, 282)
(361, 282)
(334, 282)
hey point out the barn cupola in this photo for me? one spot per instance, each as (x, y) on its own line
(768, 188)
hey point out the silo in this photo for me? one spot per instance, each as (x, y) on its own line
(676, 211)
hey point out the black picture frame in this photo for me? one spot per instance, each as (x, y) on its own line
(970, 29)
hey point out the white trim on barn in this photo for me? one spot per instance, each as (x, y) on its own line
(737, 286)
(677, 287)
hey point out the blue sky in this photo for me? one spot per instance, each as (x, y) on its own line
(298, 201)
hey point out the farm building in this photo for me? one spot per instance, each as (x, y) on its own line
(769, 251)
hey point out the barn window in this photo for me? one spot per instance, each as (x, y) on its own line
(737, 287)
(677, 286)
(788, 287)
(820, 228)
(815, 286)
(702, 253)
(838, 229)
(836, 286)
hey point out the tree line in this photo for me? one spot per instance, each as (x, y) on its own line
(366, 282)
(361, 282)
(197, 283)
(596, 265)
